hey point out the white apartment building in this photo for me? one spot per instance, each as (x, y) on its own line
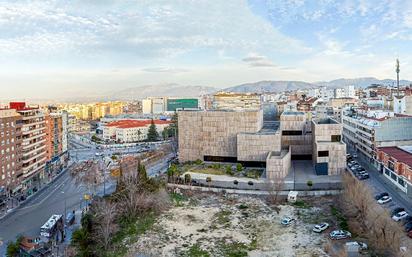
(368, 130)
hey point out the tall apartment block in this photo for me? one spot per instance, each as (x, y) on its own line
(54, 135)
(11, 172)
(33, 133)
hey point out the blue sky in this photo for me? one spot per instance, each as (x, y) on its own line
(81, 46)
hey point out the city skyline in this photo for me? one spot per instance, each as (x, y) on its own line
(60, 49)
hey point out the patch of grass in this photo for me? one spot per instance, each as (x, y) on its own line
(211, 171)
(195, 251)
(301, 204)
(128, 233)
(235, 249)
(242, 206)
(253, 173)
(222, 217)
(342, 221)
(178, 199)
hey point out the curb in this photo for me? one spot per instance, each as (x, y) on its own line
(28, 200)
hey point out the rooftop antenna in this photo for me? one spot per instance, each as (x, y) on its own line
(397, 74)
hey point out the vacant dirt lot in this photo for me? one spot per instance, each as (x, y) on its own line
(212, 225)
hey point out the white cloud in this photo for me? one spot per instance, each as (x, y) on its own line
(255, 60)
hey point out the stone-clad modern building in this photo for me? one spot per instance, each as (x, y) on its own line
(243, 136)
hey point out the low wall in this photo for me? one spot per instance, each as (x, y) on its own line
(252, 192)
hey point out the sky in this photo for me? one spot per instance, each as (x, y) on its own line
(57, 48)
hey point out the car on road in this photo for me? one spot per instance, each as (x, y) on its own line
(286, 221)
(339, 234)
(407, 220)
(379, 196)
(385, 199)
(363, 176)
(408, 227)
(400, 215)
(355, 156)
(351, 163)
(397, 210)
(320, 227)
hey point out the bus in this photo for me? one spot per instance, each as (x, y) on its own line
(51, 226)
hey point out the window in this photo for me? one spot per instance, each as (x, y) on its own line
(336, 138)
(292, 132)
(323, 153)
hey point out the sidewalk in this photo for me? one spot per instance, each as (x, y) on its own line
(43, 186)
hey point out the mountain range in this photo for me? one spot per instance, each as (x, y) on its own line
(279, 86)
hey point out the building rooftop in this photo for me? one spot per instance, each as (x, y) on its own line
(325, 121)
(135, 123)
(292, 113)
(402, 154)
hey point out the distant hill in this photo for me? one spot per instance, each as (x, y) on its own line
(269, 86)
(279, 86)
(141, 92)
(361, 82)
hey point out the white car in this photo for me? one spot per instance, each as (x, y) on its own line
(361, 246)
(320, 227)
(339, 234)
(385, 199)
(400, 215)
(286, 221)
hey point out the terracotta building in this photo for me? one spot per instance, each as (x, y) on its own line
(10, 151)
(54, 135)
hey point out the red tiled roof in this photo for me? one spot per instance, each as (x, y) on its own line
(398, 154)
(135, 123)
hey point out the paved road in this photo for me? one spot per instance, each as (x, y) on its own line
(60, 194)
(378, 183)
(34, 213)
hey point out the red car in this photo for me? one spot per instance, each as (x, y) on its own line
(410, 234)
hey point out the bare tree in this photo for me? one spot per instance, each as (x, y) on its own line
(105, 213)
(274, 188)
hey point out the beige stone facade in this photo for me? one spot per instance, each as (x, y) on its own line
(327, 145)
(255, 147)
(241, 136)
(214, 133)
(278, 164)
(296, 132)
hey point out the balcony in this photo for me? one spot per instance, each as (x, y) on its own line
(34, 137)
(34, 157)
(34, 149)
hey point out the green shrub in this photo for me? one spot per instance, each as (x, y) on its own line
(239, 167)
(198, 162)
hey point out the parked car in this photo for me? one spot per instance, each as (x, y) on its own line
(362, 246)
(351, 163)
(410, 234)
(363, 176)
(286, 221)
(355, 166)
(355, 156)
(400, 215)
(339, 234)
(408, 227)
(379, 196)
(397, 210)
(385, 199)
(407, 220)
(22, 198)
(320, 227)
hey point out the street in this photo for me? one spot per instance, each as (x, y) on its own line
(59, 195)
(378, 183)
(27, 220)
